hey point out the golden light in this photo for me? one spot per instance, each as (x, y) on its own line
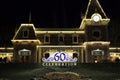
(73, 46)
(27, 41)
(97, 42)
(114, 48)
(57, 32)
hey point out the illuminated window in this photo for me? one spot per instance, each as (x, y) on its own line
(61, 38)
(75, 38)
(47, 38)
(25, 33)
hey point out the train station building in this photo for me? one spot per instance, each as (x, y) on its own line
(89, 43)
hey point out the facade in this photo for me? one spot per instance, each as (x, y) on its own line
(65, 46)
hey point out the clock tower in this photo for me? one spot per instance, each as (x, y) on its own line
(95, 25)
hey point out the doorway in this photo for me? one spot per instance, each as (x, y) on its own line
(97, 55)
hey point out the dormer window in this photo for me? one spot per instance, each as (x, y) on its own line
(75, 39)
(47, 38)
(25, 33)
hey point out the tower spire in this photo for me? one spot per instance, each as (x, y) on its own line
(30, 17)
(94, 7)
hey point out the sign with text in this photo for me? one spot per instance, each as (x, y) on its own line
(59, 57)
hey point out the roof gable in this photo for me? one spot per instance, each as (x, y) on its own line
(94, 7)
(26, 31)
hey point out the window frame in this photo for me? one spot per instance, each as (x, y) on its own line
(61, 36)
(73, 40)
(25, 33)
(93, 32)
(46, 41)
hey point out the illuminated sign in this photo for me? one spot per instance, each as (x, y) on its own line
(97, 52)
(59, 57)
(24, 52)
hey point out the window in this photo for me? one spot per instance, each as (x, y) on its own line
(25, 33)
(75, 55)
(96, 33)
(47, 55)
(61, 38)
(117, 38)
(75, 38)
(47, 38)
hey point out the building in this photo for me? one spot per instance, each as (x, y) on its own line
(65, 46)
(6, 54)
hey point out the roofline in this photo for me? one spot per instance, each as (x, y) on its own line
(57, 32)
(98, 5)
(102, 22)
(24, 24)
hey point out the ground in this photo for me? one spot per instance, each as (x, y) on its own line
(103, 71)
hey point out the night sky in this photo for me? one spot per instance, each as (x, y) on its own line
(47, 14)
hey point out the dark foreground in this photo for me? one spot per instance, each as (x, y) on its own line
(103, 71)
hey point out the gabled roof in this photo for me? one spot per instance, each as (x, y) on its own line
(19, 33)
(94, 7)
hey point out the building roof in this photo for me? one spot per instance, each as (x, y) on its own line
(57, 29)
(94, 7)
(30, 28)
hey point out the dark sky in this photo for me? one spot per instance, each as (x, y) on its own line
(47, 13)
